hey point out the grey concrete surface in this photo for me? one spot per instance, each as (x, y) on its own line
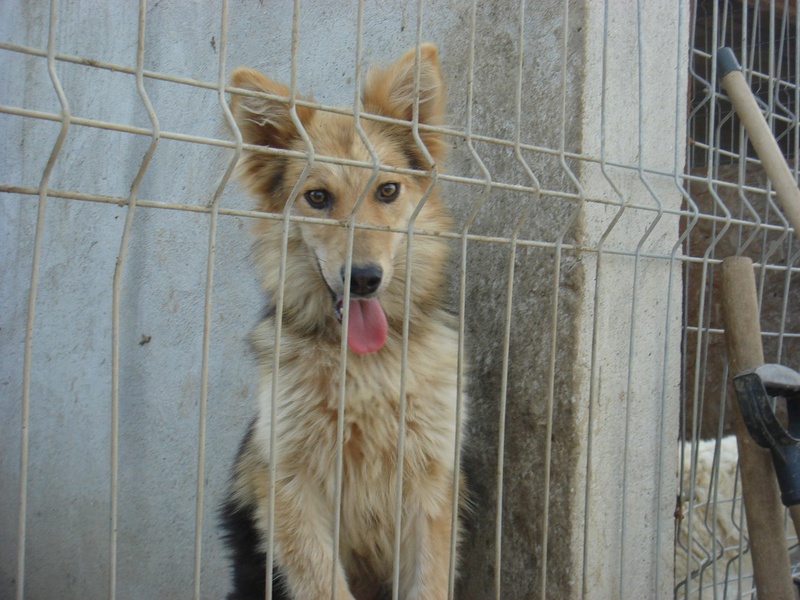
(593, 397)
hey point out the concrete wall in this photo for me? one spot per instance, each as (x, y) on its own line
(635, 376)
(164, 278)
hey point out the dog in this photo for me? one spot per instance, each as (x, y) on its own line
(306, 407)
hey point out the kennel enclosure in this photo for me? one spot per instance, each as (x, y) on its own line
(596, 178)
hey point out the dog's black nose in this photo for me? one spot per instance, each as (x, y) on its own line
(365, 280)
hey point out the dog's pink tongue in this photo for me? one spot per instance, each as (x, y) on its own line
(366, 327)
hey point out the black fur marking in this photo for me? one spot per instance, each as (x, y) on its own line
(276, 178)
(243, 540)
(408, 147)
(414, 156)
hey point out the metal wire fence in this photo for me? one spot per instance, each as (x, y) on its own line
(592, 206)
(713, 558)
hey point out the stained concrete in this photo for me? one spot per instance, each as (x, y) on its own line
(593, 397)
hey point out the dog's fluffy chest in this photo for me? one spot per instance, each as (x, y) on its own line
(307, 413)
(306, 426)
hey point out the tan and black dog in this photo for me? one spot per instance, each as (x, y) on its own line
(306, 567)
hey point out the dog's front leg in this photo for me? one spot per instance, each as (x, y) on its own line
(304, 542)
(427, 558)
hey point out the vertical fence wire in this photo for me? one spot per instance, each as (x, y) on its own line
(711, 299)
(269, 542)
(794, 130)
(700, 348)
(679, 163)
(720, 218)
(599, 271)
(769, 206)
(569, 223)
(116, 297)
(519, 158)
(343, 348)
(769, 248)
(209, 290)
(596, 302)
(635, 296)
(742, 245)
(711, 524)
(478, 204)
(401, 419)
(745, 202)
(41, 211)
(796, 122)
(690, 389)
(509, 309)
(462, 301)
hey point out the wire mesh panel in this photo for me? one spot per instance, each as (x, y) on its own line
(737, 214)
(589, 206)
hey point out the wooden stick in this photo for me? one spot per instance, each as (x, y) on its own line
(763, 508)
(760, 135)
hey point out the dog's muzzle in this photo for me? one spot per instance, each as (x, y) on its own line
(366, 326)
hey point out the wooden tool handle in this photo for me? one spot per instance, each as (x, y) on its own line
(763, 509)
(760, 135)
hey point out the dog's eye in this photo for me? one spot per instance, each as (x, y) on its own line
(318, 198)
(388, 192)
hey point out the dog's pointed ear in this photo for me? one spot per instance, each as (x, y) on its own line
(390, 92)
(263, 121)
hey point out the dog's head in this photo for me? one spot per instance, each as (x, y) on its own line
(333, 190)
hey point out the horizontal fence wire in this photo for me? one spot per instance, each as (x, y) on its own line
(534, 243)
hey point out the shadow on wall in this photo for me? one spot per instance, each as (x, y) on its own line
(524, 523)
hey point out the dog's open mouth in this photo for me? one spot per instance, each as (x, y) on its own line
(366, 325)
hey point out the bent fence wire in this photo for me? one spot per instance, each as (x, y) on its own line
(593, 202)
(713, 557)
